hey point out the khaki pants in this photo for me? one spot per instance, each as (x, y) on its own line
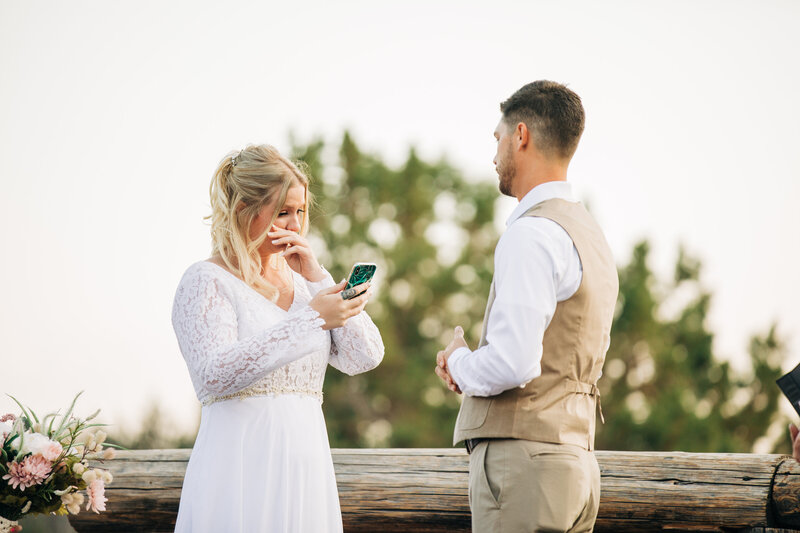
(525, 486)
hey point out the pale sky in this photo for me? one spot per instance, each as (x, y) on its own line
(113, 116)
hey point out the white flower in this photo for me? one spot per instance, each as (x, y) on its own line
(72, 502)
(89, 476)
(92, 440)
(38, 444)
(79, 468)
(33, 443)
(15, 443)
(5, 430)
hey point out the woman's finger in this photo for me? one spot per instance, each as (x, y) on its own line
(334, 289)
(290, 239)
(294, 250)
(353, 293)
(350, 312)
(360, 308)
(361, 291)
(275, 230)
(282, 240)
(359, 301)
(361, 287)
(274, 235)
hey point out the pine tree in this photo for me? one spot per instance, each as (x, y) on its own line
(662, 388)
(432, 235)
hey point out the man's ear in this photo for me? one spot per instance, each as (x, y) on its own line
(522, 135)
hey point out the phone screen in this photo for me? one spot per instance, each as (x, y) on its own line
(361, 273)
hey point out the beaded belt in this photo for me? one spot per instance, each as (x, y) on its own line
(266, 391)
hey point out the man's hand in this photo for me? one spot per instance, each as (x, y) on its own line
(441, 359)
(793, 431)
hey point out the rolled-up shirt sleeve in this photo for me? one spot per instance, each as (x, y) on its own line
(527, 266)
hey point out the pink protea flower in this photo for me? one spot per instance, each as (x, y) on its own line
(97, 500)
(32, 471)
(7, 418)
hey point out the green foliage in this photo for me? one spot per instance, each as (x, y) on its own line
(662, 387)
(157, 432)
(368, 212)
(431, 232)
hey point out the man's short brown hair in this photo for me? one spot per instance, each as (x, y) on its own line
(553, 114)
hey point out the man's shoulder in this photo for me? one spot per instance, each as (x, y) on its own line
(528, 238)
(535, 229)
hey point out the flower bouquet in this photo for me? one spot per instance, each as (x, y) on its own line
(44, 468)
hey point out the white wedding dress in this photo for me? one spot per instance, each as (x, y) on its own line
(261, 461)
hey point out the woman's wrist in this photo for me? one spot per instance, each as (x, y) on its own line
(316, 275)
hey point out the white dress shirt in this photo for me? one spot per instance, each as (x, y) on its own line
(536, 266)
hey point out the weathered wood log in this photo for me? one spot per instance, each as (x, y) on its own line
(786, 494)
(425, 490)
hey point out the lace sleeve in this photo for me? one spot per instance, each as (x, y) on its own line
(357, 346)
(205, 323)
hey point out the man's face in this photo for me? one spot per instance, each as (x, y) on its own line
(503, 159)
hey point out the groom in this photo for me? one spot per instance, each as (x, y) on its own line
(530, 388)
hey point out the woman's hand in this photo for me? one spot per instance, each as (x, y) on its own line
(335, 310)
(298, 253)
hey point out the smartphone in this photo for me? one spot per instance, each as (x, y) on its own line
(360, 273)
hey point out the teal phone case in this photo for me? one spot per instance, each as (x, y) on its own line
(360, 274)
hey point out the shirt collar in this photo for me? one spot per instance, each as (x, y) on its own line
(540, 193)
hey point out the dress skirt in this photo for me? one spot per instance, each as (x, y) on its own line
(261, 464)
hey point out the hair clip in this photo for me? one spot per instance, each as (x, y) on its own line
(235, 158)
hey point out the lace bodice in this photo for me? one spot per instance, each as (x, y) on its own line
(237, 343)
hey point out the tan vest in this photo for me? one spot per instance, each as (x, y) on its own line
(559, 406)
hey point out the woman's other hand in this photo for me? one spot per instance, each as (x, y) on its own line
(335, 310)
(298, 253)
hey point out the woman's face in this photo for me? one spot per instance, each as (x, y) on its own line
(290, 217)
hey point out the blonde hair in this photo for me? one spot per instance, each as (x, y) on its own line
(243, 184)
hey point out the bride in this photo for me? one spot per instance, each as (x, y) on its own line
(257, 323)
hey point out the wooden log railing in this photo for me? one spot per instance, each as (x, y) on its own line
(425, 490)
